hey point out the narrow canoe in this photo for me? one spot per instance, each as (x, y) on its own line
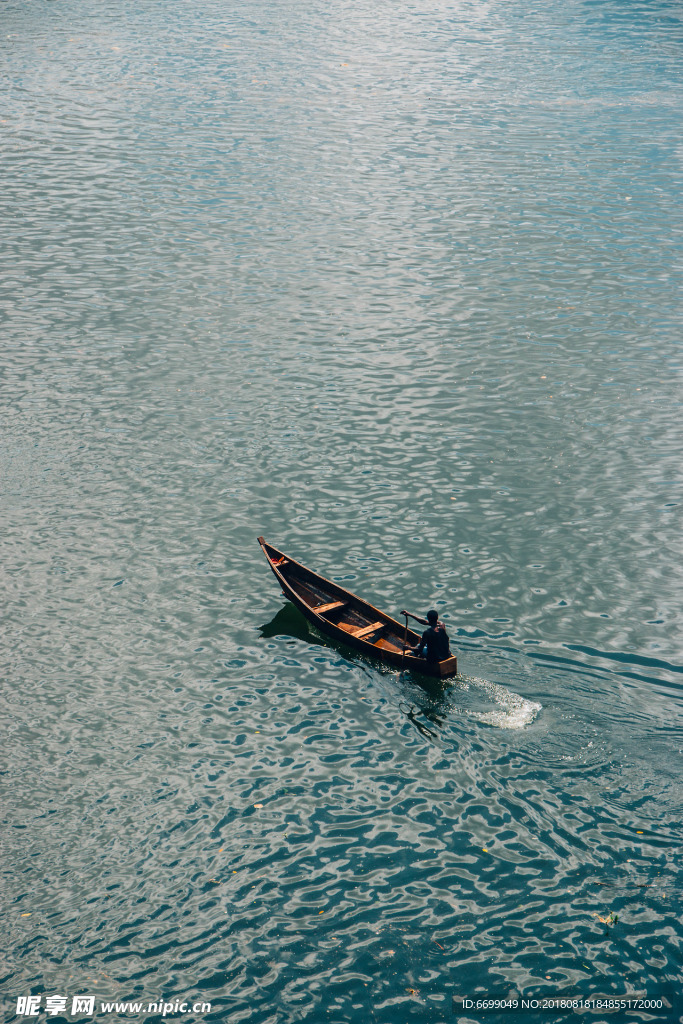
(347, 618)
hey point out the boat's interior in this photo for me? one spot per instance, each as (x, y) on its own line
(352, 616)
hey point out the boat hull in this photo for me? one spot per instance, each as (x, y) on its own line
(348, 619)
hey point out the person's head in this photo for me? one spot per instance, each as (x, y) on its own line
(432, 617)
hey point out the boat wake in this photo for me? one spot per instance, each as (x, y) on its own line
(510, 711)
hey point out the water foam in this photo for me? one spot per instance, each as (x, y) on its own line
(512, 711)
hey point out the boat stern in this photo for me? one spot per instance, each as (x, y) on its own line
(448, 668)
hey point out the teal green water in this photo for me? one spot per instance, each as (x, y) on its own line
(398, 287)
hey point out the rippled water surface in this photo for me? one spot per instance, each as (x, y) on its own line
(398, 287)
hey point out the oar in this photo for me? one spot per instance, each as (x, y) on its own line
(405, 641)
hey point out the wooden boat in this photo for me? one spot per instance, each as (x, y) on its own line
(345, 617)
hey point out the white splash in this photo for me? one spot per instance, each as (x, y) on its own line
(511, 711)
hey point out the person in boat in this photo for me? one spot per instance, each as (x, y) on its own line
(434, 645)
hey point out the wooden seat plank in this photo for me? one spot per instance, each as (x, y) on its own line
(330, 607)
(366, 630)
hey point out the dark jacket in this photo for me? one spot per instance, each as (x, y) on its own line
(435, 643)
